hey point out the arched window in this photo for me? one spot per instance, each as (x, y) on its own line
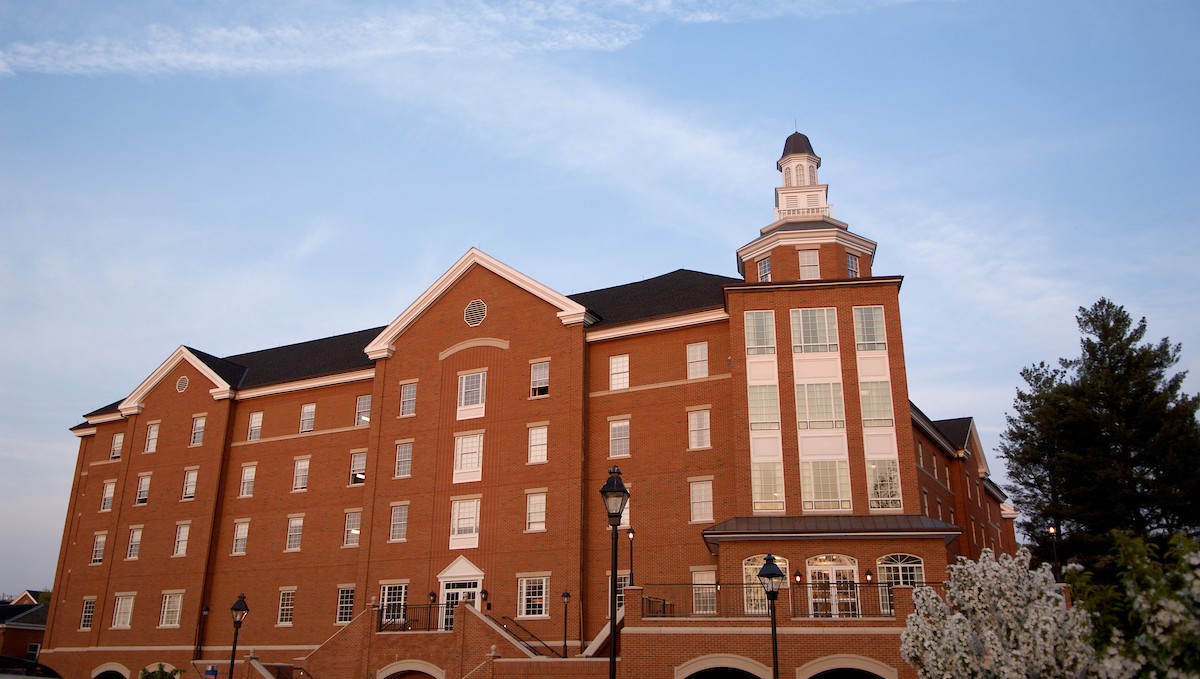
(787, 176)
(832, 586)
(812, 174)
(898, 569)
(753, 596)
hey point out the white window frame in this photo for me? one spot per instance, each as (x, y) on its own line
(197, 438)
(766, 486)
(183, 531)
(134, 549)
(241, 537)
(618, 437)
(539, 379)
(107, 492)
(618, 372)
(472, 394)
(151, 438)
(535, 511)
(114, 449)
(851, 266)
(468, 457)
(763, 402)
(699, 429)
(141, 496)
(812, 396)
(171, 611)
(99, 541)
(814, 330)
(191, 477)
(764, 270)
(464, 522)
(876, 399)
(87, 614)
(345, 605)
(704, 592)
(123, 609)
(883, 492)
(246, 483)
(823, 494)
(404, 460)
(810, 265)
(300, 471)
(352, 529)
(408, 399)
(398, 526)
(285, 614)
(308, 417)
(393, 599)
(870, 328)
(358, 469)
(538, 444)
(295, 533)
(760, 332)
(254, 430)
(700, 500)
(362, 410)
(533, 597)
(697, 360)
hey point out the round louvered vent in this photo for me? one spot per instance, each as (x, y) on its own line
(475, 312)
(181, 384)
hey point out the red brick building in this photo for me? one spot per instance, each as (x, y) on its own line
(416, 500)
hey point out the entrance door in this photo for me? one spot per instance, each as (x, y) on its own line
(455, 592)
(833, 592)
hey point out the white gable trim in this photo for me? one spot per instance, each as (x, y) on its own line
(658, 325)
(569, 312)
(134, 403)
(460, 569)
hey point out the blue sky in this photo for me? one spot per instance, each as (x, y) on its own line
(240, 175)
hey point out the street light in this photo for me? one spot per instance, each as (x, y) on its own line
(615, 496)
(566, 596)
(1052, 529)
(631, 556)
(239, 610)
(772, 579)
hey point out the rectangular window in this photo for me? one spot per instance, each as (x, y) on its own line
(618, 438)
(300, 474)
(852, 266)
(539, 379)
(308, 417)
(810, 265)
(352, 528)
(814, 330)
(876, 403)
(114, 451)
(189, 483)
(294, 532)
(535, 512)
(464, 524)
(358, 469)
(764, 270)
(704, 592)
(122, 611)
(392, 601)
(618, 372)
(699, 435)
(345, 605)
(135, 543)
(198, 430)
(143, 490)
(182, 531)
(819, 406)
(241, 535)
(760, 332)
(98, 541)
(472, 395)
(287, 607)
(89, 611)
(151, 438)
(362, 411)
(254, 433)
(764, 406)
(172, 605)
(399, 526)
(697, 360)
(883, 482)
(825, 484)
(531, 595)
(246, 488)
(408, 399)
(468, 458)
(766, 485)
(106, 495)
(869, 334)
(537, 444)
(404, 459)
(702, 500)
(622, 583)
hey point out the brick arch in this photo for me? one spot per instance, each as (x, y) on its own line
(403, 668)
(846, 661)
(110, 670)
(722, 661)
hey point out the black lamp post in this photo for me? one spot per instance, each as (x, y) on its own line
(631, 556)
(1052, 529)
(239, 610)
(566, 596)
(772, 579)
(615, 496)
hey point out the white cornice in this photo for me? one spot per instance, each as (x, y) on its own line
(87, 431)
(569, 312)
(657, 325)
(1008, 511)
(105, 417)
(835, 233)
(301, 385)
(133, 404)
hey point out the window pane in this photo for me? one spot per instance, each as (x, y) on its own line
(404, 459)
(760, 332)
(698, 429)
(814, 330)
(766, 480)
(825, 484)
(697, 360)
(764, 406)
(876, 404)
(618, 372)
(618, 438)
(883, 482)
(539, 379)
(868, 328)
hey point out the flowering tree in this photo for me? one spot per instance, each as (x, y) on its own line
(999, 619)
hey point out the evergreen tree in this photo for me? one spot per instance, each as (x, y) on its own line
(1106, 441)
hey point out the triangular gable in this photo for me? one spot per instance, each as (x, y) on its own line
(568, 311)
(977, 448)
(460, 569)
(133, 404)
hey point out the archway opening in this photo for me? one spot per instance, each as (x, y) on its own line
(846, 674)
(722, 673)
(110, 674)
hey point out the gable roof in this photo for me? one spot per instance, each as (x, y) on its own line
(957, 429)
(680, 291)
(32, 615)
(315, 358)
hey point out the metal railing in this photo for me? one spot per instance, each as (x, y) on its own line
(806, 600)
(527, 638)
(410, 617)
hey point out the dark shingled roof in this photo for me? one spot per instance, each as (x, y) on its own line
(799, 527)
(796, 143)
(677, 292)
(110, 408)
(315, 358)
(957, 430)
(26, 614)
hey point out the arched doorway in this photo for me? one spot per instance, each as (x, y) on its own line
(722, 673)
(409, 674)
(846, 674)
(110, 674)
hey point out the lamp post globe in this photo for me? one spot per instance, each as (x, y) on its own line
(239, 610)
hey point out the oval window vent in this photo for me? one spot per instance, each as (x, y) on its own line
(181, 384)
(475, 312)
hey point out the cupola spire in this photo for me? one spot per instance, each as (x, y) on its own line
(800, 193)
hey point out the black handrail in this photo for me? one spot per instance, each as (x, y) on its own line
(535, 637)
(399, 617)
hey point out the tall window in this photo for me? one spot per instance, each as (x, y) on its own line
(766, 486)
(701, 500)
(254, 433)
(898, 569)
(764, 406)
(468, 458)
(531, 596)
(135, 543)
(143, 490)
(151, 438)
(198, 430)
(241, 534)
(114, 450)
(352, 528)
(760, 332)
(704, 592)
(537, 444)
(535, 512)
(182, 530)
(189, 483)
(697, 360)
(825, 484)
(345, 605)
(618, 438)
(754, 597)
(98, 541)
(464, 523)
(699, 435)
(810, 265)
(122, 611)
(404, 459)
(819, 406)
(787, 176)
(89, 611)
(287, 607)
(358, 469)
(472, 393)
(295, 531)
(408, 399)
(246, 487)
(618, 372)
(814, 330)
(876, 404)
(869, 333)
(764, 270)
(852, 266)
(622, 583)
(399, 524)
(300, 474)
(392, 600)
(883, 484)
(539, 379)
(172, 605)
(106, 495)
(308, 417)
(362, 411)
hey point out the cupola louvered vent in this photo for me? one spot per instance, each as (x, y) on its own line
(181, 384)
(475, 312)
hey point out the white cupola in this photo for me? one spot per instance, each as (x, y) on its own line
(800, 193)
